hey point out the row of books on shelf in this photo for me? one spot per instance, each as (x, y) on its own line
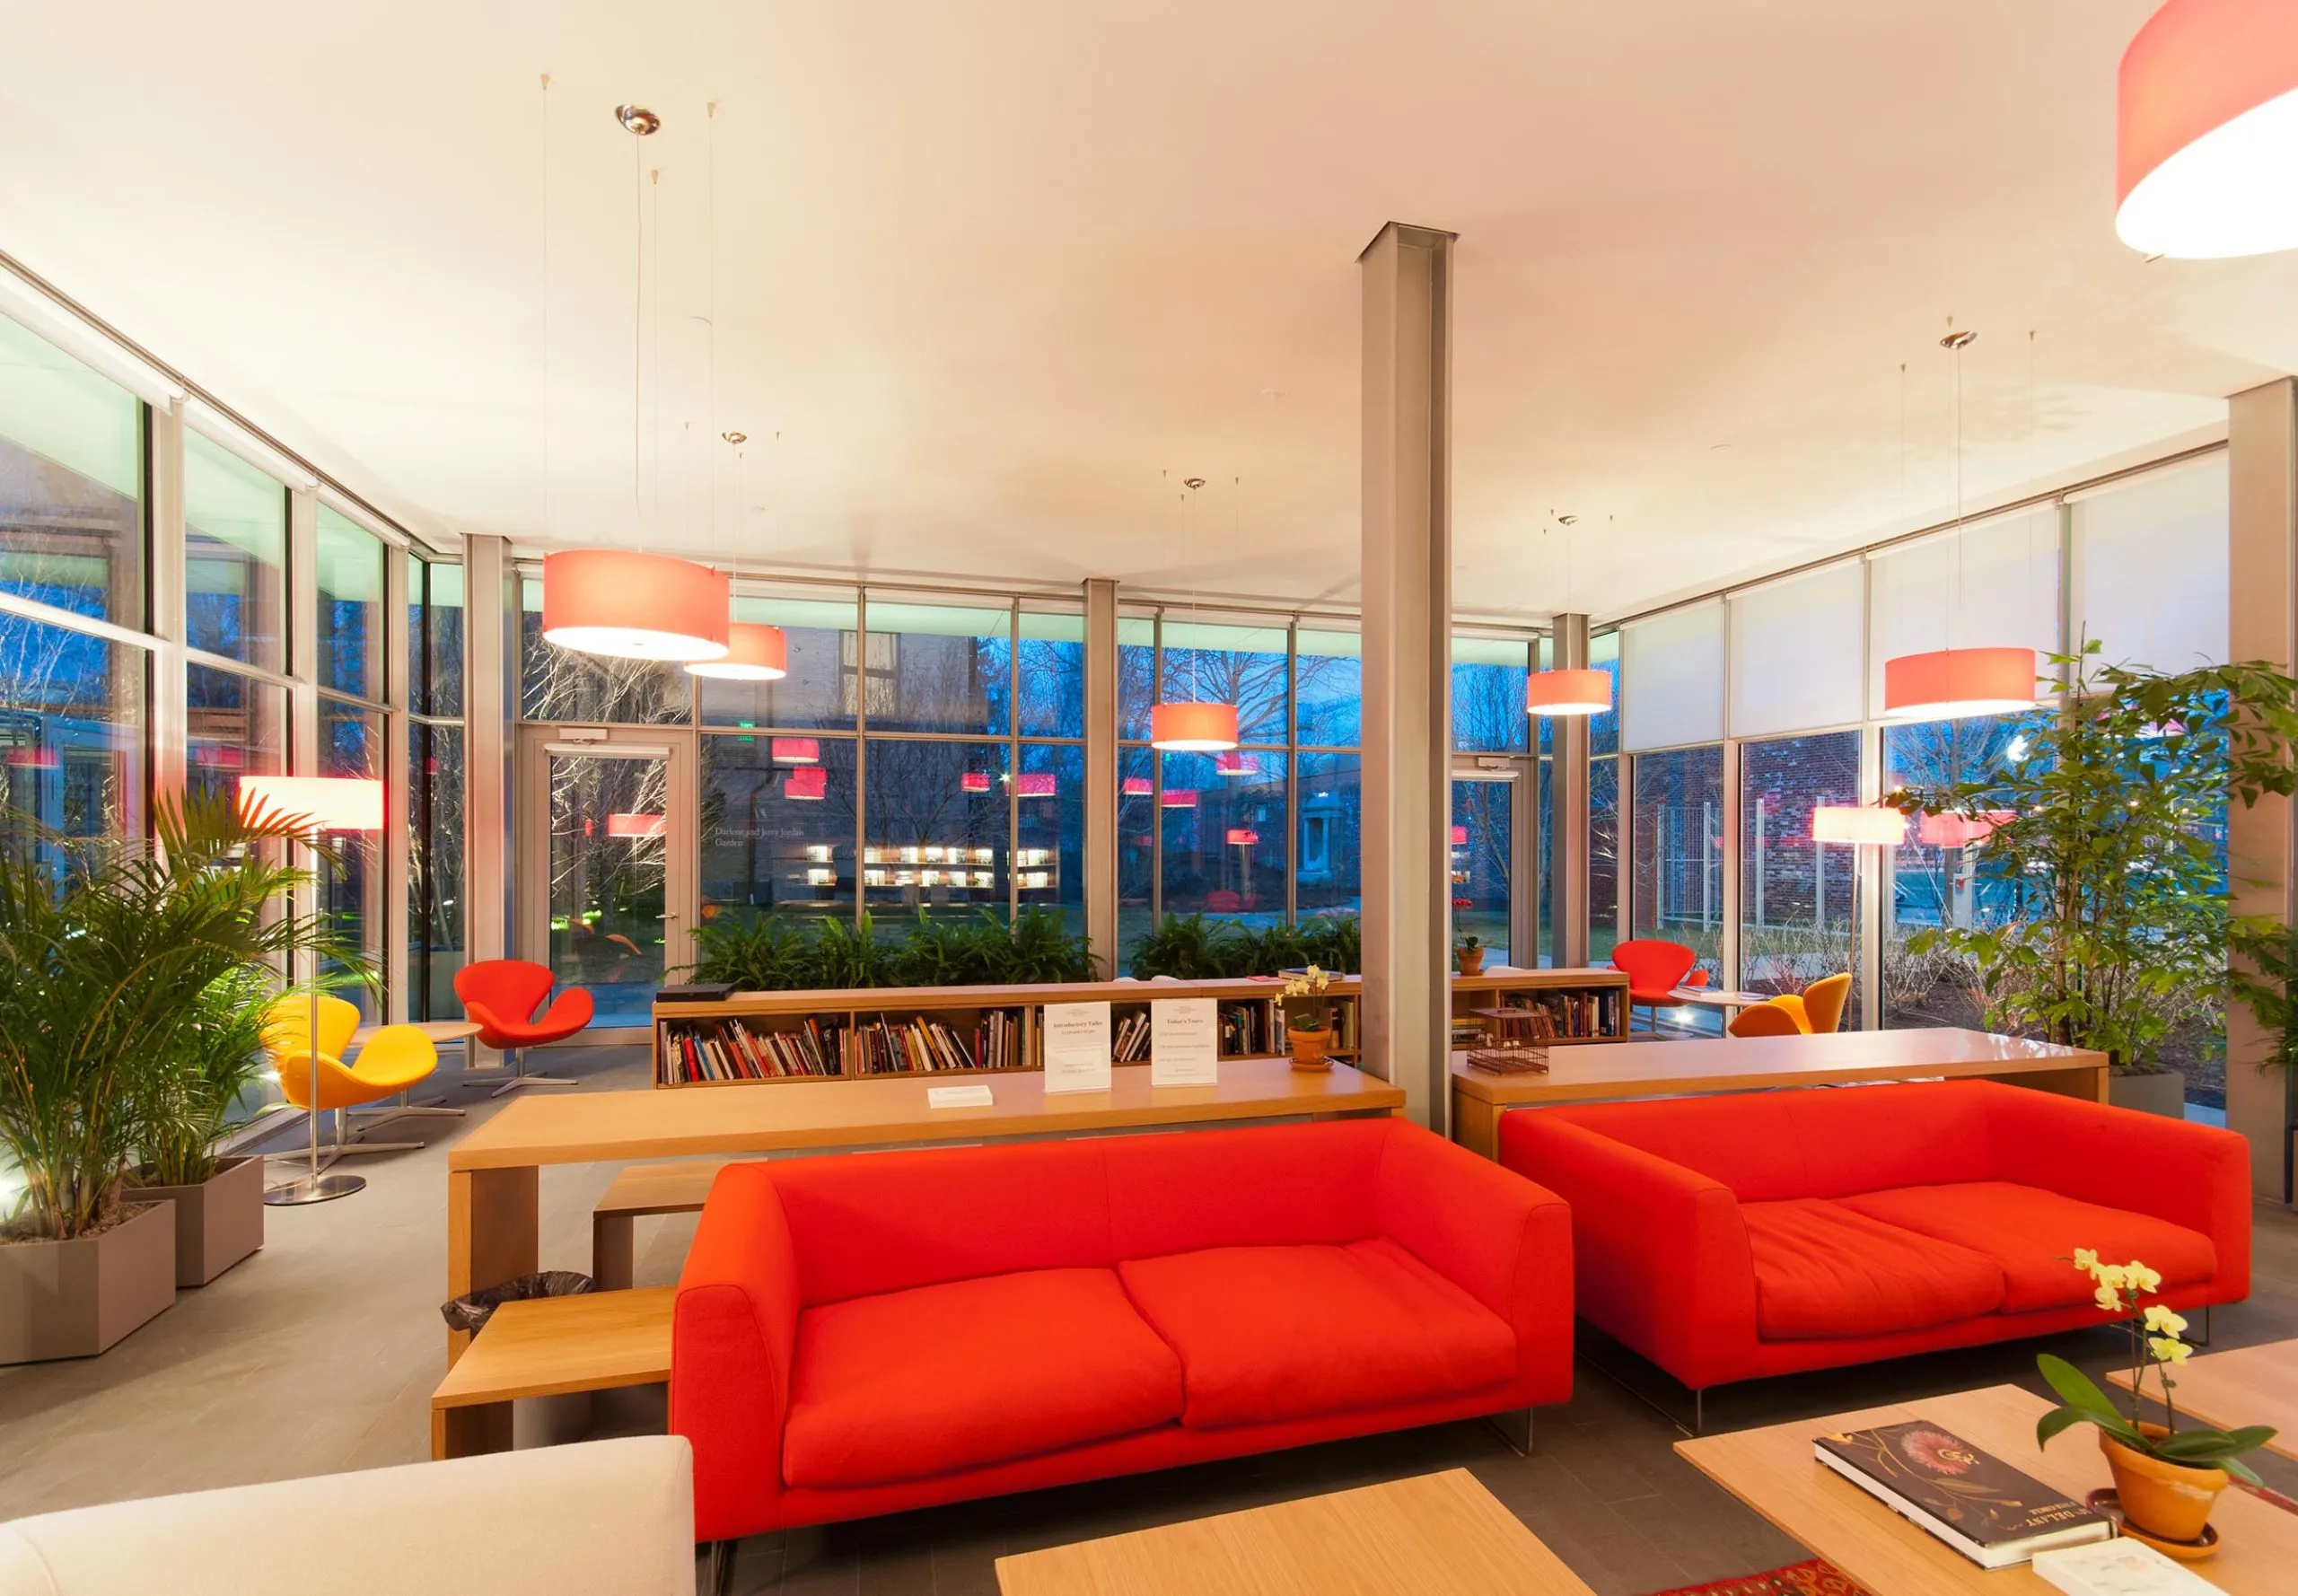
(1574, 1015)
(728, 1050)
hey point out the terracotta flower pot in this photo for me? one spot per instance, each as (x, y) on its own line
(1472, 963)
(2169, 1501)
(1309, 1048)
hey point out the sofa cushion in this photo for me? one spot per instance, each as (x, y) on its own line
(2032, 1234)
(1271, 1332)
(1823, 1271)
(920, 1382)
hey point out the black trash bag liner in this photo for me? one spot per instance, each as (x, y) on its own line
(471, 1311)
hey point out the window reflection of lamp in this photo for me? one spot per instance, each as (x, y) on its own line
(793, 750)
(809, 784)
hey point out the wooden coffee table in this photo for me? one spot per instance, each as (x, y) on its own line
(2248, 1385)
(1772, 1470)
(1439, 1535)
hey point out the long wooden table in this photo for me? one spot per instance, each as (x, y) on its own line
(1772, 1470)
(2245, 1385)
(493, 1174)
(1753, 1063)
(1439, 1535)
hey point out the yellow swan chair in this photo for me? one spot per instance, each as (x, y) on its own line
(317, 1079)
(1818, 1011)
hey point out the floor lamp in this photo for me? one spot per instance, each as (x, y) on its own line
(314, 804)
(1857, 826)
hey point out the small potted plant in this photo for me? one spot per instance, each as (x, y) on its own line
(1307, 1018)
(1467, 954)
(2167, 1476)
(216, 1059)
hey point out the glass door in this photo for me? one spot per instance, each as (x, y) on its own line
(1484, 853)
(607, 845)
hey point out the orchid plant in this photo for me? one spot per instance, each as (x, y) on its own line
(2154, 1332)
(1306, 1007)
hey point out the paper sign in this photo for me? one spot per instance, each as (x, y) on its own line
(957, 1097)
(1076, 1047)
(1184, 1042)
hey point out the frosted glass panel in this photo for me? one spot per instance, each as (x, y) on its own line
(2151, 568)
(1797, 652)
(1672, 678)
(1993, 585)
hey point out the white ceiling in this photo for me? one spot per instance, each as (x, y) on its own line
(1002, 273)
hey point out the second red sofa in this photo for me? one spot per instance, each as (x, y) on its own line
(1730, 1236)
(871, 1333)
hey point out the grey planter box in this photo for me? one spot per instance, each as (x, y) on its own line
(2164, 1093)
(75, 1298)
(218, 1222)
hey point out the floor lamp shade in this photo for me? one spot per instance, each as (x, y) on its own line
(635, 606)
(323, 802)
(2206, 130)
(753, 654)
(1568, 692)
(1193, 728)
(1862, 825)
(1950, 683)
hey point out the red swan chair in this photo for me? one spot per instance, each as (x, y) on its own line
(1654, 969)
(501, 996)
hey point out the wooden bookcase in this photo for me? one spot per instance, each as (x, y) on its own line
(1252, 1014)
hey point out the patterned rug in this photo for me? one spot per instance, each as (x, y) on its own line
(1814, 1578)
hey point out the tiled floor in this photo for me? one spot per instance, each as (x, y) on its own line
(318, 1355)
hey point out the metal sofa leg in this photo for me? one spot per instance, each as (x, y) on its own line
(718, 1574)
(1514, 1428)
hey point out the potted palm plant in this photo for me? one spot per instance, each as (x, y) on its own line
(218, 1059)
(107, 951)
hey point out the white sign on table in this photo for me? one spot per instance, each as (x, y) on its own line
(1184, 1042)
(958, 1097)
(1076, 1047)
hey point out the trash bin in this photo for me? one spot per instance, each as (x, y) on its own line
(471, 1311)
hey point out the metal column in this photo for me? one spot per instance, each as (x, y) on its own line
(1406, 279)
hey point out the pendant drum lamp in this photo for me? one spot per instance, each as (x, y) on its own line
(1192, 726)
(1950, 683)
(625, 603)
(635, 606)
(1568, 692)
(2206, 131)
(753, 654)
(1861, 825)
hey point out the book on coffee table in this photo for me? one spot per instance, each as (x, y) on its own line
(1975, 1502)
(2119, 1567)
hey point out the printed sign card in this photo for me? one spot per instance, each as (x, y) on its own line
(1184, 1042)
(1076, 1047)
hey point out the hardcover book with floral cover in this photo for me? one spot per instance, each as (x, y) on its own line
(1975, 1502)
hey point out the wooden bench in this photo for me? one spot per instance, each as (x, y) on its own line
(643, 1190)
(597, 1342)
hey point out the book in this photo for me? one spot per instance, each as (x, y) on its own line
(700, 992)
(2119, 1567)
(1975, 1502)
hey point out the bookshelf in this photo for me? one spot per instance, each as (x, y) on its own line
(766, 1038)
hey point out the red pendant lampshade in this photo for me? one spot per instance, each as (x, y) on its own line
(793, 750)
(325, 803)
(1036, 783)
(1958, 831)
(808, 784)
(1135, 787)
(2206, 130)
(1568, 692)
(753, 654)
(633, 606)
(1242, 836)
(635, 825)
(1193, 728)
(1178, 798)
(1950, 683)
(1862, 825)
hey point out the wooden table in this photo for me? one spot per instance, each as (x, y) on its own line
(1439, 1535)
(492, 1173)
(2248, 1385)
(594, 1343)
(1772, 1470)
(1752, 1063)
(1716, 997)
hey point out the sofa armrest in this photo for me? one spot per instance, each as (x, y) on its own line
(1504, 1240)
(1663, 1262)
(2194, 1175)
(733, 1335)
(608, 1518)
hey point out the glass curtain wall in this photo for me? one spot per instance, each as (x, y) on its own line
(348, 640)
(436, 947)
(73, 701)
(922, 757)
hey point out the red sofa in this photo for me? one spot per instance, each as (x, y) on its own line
(866, 1334)
(1726, 1238)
